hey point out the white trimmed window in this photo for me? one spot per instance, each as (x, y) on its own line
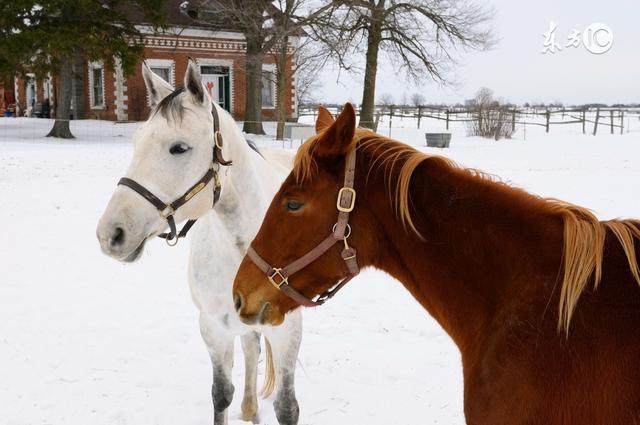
(96, 85)
(268, 86)
(164, 68)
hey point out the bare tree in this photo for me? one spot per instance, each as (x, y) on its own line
(493, 117)
(386, 99)
(420, 35)
(417, 99)
(305, 61)
(266, 26)
(308, 61)
(483, 98)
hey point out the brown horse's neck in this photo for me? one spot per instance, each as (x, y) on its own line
(484, 243)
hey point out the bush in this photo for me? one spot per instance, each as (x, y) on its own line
(493, 119)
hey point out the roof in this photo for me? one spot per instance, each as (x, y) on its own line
(181, 13)
(185, 13)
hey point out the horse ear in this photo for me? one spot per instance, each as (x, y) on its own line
(337, 139)
(157, 88)
(193, 84)
(325, 119)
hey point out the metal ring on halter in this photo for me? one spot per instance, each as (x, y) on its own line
(347, 230)
(167, 211)
(174, 243)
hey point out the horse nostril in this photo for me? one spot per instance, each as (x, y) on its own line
(117, 238)
(237, 301)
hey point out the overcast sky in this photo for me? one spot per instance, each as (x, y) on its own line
(517, 71)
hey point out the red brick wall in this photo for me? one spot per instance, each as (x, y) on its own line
(137, 102)
(2, 105)
(160, 48)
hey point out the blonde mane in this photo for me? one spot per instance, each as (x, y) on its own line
(584, 234)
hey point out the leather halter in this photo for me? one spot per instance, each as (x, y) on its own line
(167, 210)
(279, 277)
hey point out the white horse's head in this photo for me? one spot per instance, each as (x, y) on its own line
(172, 151)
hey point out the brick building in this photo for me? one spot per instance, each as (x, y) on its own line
(100, 92)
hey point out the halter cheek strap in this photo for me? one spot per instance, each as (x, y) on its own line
(279, 277)
(167, 211)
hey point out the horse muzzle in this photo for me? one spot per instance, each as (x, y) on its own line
(119, 243)
(264, 313)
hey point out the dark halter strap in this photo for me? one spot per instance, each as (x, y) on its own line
(279, 277)
(167, 210)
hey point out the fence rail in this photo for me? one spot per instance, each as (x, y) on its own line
(614, 118)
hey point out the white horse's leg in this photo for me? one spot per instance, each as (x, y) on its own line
(251, 349)
(285, 343)
(220, 345)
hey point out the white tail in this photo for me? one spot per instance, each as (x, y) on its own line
(269, 372)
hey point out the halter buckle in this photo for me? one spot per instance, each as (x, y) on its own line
(217, 136)
(277, 273)
(165, 213)
(352, 201)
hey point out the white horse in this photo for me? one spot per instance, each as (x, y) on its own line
(172, 151)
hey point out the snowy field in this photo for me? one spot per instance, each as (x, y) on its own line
(87, 340)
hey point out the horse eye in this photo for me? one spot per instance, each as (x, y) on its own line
(178, 148)
(293, 205)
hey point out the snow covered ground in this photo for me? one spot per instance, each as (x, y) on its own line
(87, 340)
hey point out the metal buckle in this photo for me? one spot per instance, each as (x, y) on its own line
(218, 139)
(277, 272)
(167, 212)
(351, 204)
(349, 257)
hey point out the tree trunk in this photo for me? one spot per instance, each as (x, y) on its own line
(253, 78)
(281, 87)
(371, 69)
(78, 87)
(63, 101)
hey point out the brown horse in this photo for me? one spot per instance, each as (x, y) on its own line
(539, 296)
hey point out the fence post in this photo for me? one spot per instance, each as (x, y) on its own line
(447, 112)
(611, 117)
(419, 116)
(584, 120)
(513, 120)
(595, 125)
(548, 114)
(390, 118)
(622, 121)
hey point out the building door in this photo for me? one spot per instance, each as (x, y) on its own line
(216, 80)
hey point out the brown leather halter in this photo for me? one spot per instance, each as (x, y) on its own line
(279, 277)
(167, 210)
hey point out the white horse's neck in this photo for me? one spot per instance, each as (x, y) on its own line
(248, 185)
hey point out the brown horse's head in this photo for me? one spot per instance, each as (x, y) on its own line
(300, 216)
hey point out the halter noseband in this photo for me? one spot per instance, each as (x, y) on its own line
(168, 210)
(279, 277)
